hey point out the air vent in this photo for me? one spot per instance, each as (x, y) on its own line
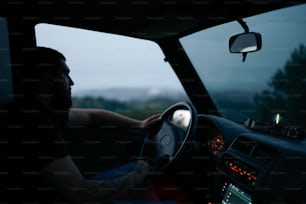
(244, 145)
(264, 153)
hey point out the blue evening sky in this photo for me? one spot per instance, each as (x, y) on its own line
(102, 60)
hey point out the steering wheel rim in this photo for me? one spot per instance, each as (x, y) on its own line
(164, 146)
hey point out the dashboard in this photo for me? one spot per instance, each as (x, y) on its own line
(252, 166)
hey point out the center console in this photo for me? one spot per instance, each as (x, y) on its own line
(242, 169)
(234, 195)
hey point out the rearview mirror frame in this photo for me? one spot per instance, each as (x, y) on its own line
(245, 42)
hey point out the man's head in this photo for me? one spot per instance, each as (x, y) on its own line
(45, 76)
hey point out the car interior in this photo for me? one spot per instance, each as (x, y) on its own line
(238, 138)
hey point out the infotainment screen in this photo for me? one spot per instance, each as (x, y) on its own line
(233, 195)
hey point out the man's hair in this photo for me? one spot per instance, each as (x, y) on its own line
(44, 54)
(41, 57)
(36, 64)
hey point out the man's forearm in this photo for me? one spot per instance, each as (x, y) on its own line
(100, 117)
(103, 191)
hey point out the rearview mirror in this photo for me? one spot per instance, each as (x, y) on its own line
(245, 42)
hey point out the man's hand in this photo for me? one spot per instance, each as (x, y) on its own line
(142, 168)
(151, 122)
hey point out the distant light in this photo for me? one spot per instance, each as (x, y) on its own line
(277, 118)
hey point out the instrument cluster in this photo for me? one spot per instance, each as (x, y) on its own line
(210, 136)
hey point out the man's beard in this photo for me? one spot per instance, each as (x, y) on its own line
(61, 110)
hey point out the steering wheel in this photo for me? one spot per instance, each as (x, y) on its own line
(166, 143)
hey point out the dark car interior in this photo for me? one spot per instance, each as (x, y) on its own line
(213, 159)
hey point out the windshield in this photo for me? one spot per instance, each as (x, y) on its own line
(271, 81)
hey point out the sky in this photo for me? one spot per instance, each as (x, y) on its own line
(107, 60)
(281, 32)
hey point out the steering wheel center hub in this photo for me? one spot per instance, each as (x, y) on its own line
(165, 140)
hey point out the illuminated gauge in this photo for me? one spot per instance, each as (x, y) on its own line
(216, 144)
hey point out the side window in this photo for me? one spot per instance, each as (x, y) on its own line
(114, 72)
(6, 87)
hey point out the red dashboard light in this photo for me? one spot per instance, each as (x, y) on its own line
(241, 171)
(234, 169)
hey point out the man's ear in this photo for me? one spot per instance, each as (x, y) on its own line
(48, 81)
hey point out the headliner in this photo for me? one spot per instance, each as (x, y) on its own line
(153, 20)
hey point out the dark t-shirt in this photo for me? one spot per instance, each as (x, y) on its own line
(29, 141)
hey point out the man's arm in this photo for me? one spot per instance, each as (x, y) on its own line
(67, 179)
(84, 117)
